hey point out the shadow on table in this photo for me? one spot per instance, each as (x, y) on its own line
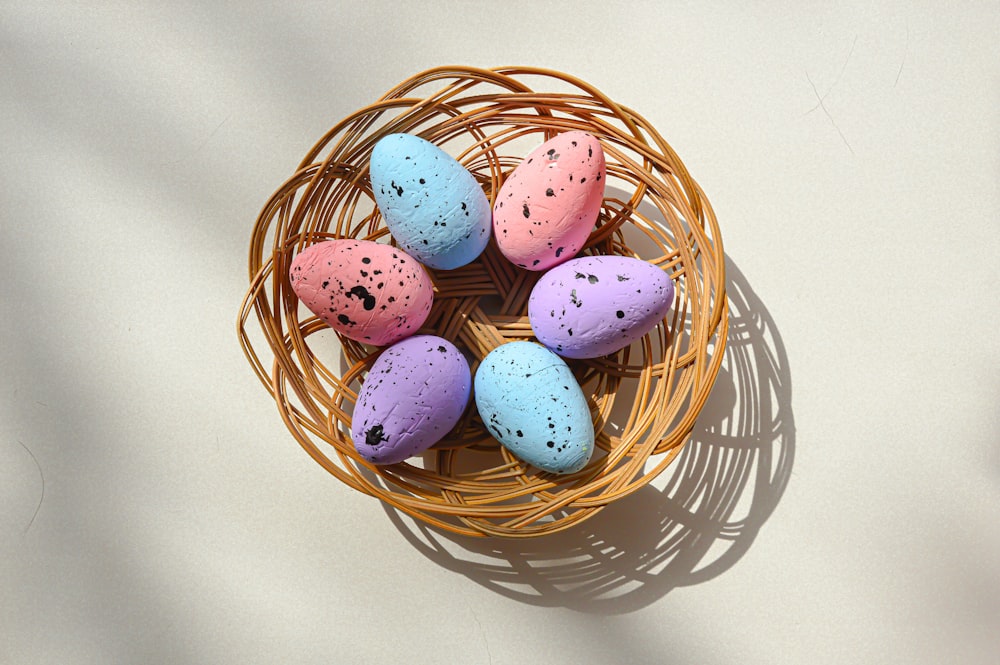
(697, 522)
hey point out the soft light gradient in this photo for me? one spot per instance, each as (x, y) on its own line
(840, 501)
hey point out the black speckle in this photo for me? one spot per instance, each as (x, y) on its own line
(423, 182)
(574, 143)
(590, 151)
(553, 154)
(592, 279)
(398, 188)
(559, 250)
(583, 180)
(326, 284)
(598, 178)
(464, 206)
(550, 444)
(442, 349)
(570, 331)
(344, 319)
(366, 260)
(361, 293)
(525, 211)
(375, 436)
(520, 433)
(536, 262)
(622, 278)
(620, 314)
(549, 192)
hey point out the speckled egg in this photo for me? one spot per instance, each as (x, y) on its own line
(595, 305)
(431, 204)
(548, 205)
(530, 401)
(414, 394)
(366, 291)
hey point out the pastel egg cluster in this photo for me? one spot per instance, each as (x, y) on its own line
(439, 216)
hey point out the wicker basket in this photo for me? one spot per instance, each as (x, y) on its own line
(644, 400)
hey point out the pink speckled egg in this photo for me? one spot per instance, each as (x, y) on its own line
(366, 291)
(545, 210)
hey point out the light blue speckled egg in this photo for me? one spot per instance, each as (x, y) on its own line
(530, 401)
(432, 205)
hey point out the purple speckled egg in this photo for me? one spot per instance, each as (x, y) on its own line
(595, 305)
(414, 394)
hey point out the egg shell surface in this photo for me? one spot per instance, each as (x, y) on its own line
(414, 394)
(367, 291)
(531, 403)
(547, 207)
(595, 305)
(431, 204)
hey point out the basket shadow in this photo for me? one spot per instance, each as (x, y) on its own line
(690, 525)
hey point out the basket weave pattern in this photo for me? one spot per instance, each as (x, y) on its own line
(644, 400)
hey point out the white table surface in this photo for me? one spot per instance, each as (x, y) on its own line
(180, 523)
